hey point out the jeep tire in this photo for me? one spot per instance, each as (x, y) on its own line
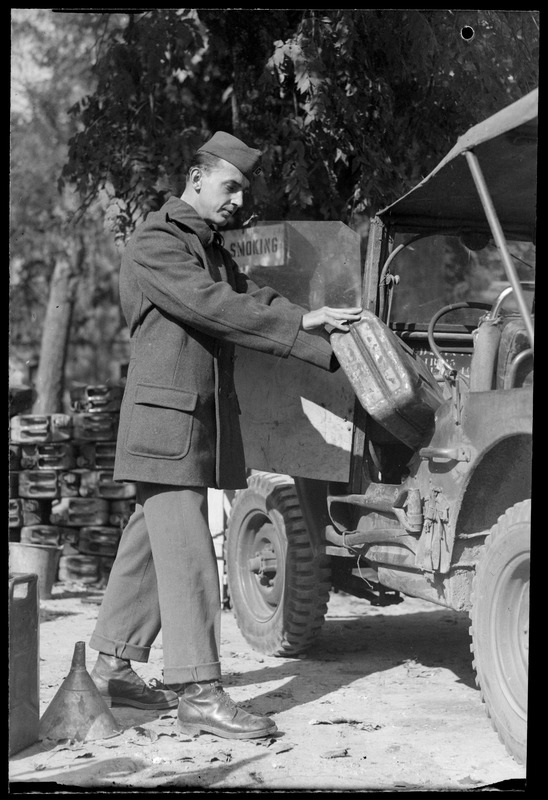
(278, 587)
(500, 626)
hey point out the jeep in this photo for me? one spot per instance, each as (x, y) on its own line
(407, 472)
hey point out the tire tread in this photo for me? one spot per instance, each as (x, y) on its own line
(308, 578)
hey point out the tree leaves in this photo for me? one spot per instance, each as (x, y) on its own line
(350, 106)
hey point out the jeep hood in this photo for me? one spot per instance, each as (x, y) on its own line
(447, 200)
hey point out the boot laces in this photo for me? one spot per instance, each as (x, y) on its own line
(154, 683)
(224, 698)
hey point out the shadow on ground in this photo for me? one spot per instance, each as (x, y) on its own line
(363, 646)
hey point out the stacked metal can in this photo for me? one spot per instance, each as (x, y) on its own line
(61, 483)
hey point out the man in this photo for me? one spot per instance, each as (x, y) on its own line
(186, 306)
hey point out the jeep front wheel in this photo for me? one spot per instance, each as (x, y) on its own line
(278, 587)
(500, 626)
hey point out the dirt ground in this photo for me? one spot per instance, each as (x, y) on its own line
(385, 701)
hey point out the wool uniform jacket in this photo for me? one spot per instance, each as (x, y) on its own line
(187, 305)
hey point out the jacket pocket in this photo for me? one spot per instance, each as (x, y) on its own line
(161, 421)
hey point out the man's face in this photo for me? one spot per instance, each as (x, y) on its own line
(220, 192)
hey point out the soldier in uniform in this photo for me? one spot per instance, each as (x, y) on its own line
(187, 305)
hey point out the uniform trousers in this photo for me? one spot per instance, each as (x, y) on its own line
(165, 576)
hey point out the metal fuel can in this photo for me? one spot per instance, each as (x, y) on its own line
(100, 540)
(391, 382)
(36, 483)
(96, 455)
(79, 568)
(37, 428)
(99, 398)
(48, 455)
(80, 511)
(24, 686)
(41, 534)
(95, 427)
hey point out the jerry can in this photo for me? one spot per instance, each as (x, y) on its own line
(48, 455)
(15, 513)
(96, 455)
(24, 686)
(101, 483)
(79, 568)
(80, 511)
(36, 428)
(38, 483)
(94, 427)
(41, 534)
(100, 540)
(100, 398)
(391, 382)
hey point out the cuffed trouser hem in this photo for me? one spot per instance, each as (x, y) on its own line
(130, 652)
(203, 672)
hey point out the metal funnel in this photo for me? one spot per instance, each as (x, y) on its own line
(78, 711)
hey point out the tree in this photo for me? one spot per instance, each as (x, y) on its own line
(58, 267)
(350, 106)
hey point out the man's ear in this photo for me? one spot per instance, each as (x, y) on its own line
(196, 178)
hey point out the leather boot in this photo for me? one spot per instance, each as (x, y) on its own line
(119, 685)
(205, 707)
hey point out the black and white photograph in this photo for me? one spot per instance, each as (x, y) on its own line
(271, 340)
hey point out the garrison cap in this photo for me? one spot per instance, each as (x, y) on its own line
(224, 145)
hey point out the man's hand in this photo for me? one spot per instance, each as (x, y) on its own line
(336, 317)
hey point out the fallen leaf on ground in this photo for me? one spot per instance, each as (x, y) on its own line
(262, 742)
(142, 736)
(284, 748)
(222, 756)
(62, 744)
(335, 753)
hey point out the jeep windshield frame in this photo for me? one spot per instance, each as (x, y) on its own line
(486, 185)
